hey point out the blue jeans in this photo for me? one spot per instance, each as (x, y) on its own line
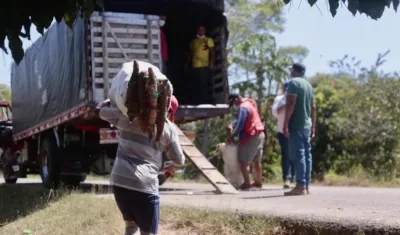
(287, 162)
(300, 150)
(138, 207)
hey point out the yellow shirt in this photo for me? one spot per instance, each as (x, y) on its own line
(201, 51)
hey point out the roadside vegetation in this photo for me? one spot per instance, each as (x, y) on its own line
(91, 210)
(358, 106)
(358, 127)
(27, 209)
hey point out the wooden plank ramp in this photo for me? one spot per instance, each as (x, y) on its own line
(211, 173)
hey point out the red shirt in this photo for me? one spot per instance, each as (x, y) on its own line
(174, 106)
(164, 51)
(253, 124)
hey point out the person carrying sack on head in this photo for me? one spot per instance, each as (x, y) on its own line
(134, 176)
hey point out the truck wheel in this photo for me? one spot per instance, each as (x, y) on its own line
(10, 181)
(8, 178)
(161, 179)
(50, 171)
(73, 180)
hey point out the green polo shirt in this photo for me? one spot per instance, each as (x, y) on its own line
(301, 118)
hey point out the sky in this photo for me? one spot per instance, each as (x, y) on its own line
(326, 38)
(330, 38)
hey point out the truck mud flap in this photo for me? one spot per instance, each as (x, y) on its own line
(211, 173)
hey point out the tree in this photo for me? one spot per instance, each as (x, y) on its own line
(357, 120)
(17, 17)
(328, 149)
(5, 93)
(247, 17)
(372, 8)
(258, 62)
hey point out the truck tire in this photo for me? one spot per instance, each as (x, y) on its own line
(10, 181)
(7, 178)
(73, 180)
(50, 170)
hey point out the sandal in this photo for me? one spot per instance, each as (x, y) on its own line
(245, 186)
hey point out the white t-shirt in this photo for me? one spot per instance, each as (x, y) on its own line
(279, 101)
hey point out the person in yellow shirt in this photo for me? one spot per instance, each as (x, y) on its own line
(202, 62)
(202, 48)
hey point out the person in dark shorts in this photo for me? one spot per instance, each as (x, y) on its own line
(134, 177)
(250, 130)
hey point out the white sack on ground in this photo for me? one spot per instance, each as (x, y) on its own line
(231, 164)
(119, 84)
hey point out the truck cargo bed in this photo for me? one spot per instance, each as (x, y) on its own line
(67, 71)
(51, 79)
(128, 37)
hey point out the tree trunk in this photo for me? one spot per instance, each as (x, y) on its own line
(267, 114)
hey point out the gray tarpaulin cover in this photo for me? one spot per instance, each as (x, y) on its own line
(51, 78)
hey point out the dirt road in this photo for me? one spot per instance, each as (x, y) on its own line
(364, 207)
(361, 207)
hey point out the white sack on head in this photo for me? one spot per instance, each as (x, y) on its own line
(119, 84)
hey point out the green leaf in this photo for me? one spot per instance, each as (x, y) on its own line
(88, 8)
(2, 39)
(396, 4)
(60, 7)
(27, 28)
(353, 6)
(15, 45)
(40, 29)
(69, 18)
(312, 2)
(333, 6)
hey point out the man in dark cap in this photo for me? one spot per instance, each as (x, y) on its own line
(299, 126)
(250, 130)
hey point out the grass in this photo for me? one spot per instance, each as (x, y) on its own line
(25, 209)
(19, 201)
(357, 178)
(354, 178)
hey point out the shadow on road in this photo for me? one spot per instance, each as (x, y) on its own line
(262, 190)
(20, 200)
(106, 189)
(263, 197)
(186, 192)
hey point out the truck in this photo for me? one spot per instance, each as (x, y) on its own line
(67, 71)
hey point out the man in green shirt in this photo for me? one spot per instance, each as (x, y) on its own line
(299, 126)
